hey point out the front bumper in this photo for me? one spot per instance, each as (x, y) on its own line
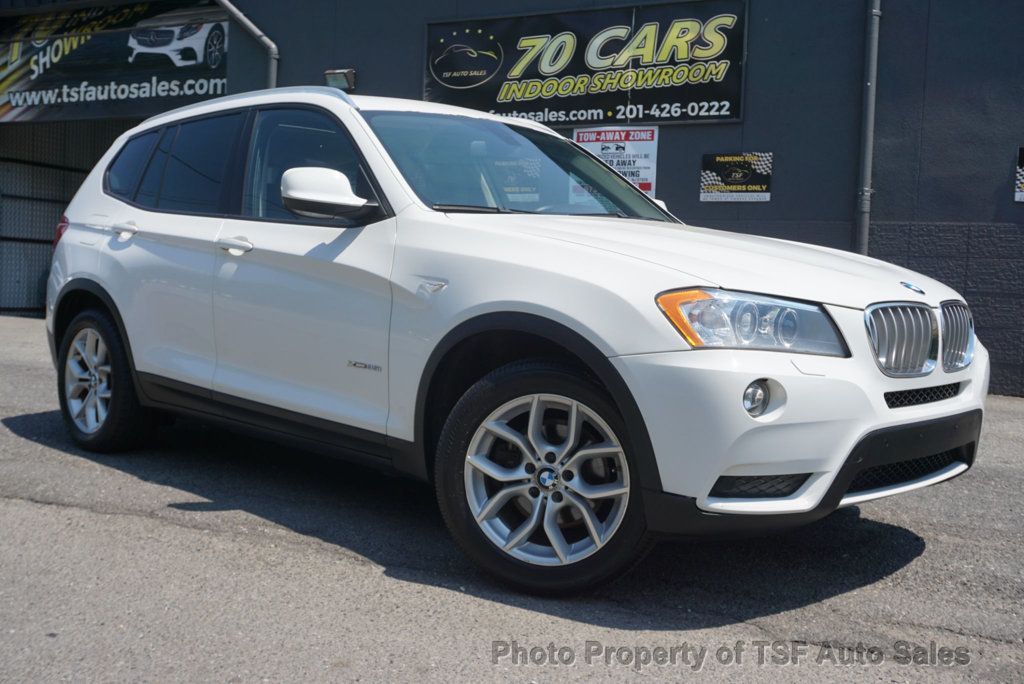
(679, 515)
(823, 410)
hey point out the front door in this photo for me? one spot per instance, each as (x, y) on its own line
(301, 306)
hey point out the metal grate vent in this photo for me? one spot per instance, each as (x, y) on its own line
(923, 395)
(904, 338)
(892, 474)
(758, 486)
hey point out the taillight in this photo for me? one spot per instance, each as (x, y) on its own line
(62, 228)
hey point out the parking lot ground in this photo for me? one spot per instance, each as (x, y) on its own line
(211, 556)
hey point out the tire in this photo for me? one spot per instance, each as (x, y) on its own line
(594, 550)
(213, 48)
(117, 423)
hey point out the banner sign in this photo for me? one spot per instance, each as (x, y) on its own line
(1018, 189)
(630, 150)
(741, 177)
(681, 62)
(121, 61)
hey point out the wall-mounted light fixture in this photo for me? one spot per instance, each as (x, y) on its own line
(342, 79)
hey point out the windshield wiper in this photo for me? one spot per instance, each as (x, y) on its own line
(465, 208)
(476, 209)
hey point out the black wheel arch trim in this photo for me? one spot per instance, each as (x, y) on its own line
(415, 462)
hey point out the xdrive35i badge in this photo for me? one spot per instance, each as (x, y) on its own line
(912, 287)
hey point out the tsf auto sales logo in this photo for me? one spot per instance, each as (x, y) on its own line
(465, 59)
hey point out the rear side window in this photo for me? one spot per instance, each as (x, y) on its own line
(123, 175)
(195, 168)
(149, 189)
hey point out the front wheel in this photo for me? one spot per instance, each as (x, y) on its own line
(214, 48)
(533, 479)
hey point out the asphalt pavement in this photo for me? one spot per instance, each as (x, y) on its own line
(209, 556)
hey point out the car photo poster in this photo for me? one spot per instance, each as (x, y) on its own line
(670, 63)
(126, 60)
(630, 150)
(736, 177)
(1018, 187)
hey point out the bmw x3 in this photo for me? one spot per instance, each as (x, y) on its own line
(479, 303)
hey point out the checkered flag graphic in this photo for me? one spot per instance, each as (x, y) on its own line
(709, 179)
(531, 167)
(1020, 179)
(763, 163)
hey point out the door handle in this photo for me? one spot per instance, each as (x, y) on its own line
(125, 231)
(236, 246)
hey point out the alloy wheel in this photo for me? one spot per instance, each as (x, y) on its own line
(546, 479)
(87, 378)
(214, 49)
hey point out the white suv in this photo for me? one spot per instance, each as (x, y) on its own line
(478, 302)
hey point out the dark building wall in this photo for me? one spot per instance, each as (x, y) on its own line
(950, 94)
(950, 97)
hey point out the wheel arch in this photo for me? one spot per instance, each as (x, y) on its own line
(77, 295)
(529, 332)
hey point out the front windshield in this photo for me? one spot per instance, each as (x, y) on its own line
(461, 163)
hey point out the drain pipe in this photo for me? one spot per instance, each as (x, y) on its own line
(269, 45)
(867, 131)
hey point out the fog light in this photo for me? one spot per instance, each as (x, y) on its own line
(756, 397)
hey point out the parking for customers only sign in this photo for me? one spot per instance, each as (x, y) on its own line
(630, 150)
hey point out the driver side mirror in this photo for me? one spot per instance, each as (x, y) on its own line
(322, 193)
(661, 203)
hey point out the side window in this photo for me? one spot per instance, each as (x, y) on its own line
(197, 163)
(123, 175)
(149, 189)
(287, 138)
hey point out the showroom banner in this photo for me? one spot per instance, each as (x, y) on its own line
(123, 61)
(737, 177)
(680, 62)
(630, 150)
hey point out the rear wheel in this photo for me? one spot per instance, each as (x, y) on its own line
(533, 479)
(97, 396)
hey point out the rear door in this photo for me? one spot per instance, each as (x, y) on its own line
(302, 309)
(162, 250)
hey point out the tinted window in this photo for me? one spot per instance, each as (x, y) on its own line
(197, 164)
(287, 138)
(123, 175)
(149, 189)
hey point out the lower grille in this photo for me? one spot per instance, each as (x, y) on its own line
(891, 474)
(758, 486)
(923, 395)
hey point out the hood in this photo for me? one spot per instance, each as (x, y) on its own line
(733, 261)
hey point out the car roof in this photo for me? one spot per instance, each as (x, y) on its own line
(326, 95)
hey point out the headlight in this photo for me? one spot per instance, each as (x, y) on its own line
(188, 30)
(737, 320)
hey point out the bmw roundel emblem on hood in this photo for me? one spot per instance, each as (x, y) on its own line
(912, 287)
